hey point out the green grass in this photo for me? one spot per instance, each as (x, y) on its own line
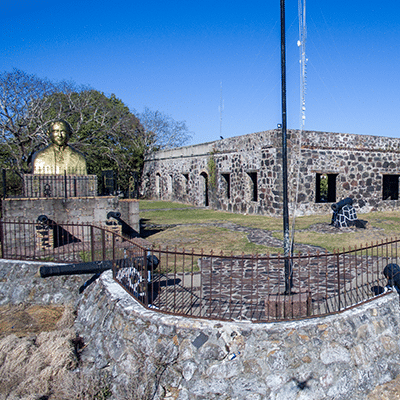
(157, 205)
(182, 229)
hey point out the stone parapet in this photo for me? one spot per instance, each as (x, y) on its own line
(342, 356)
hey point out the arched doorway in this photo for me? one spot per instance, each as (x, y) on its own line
(158, 186)
(204, 188)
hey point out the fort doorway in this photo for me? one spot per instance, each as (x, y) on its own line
(158, 188)
(204, 188)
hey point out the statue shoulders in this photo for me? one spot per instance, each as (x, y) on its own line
(75, 152)
(43, 152)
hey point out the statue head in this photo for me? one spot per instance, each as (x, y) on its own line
(60, 131)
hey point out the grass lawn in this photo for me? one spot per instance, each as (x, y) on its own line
(178, 225)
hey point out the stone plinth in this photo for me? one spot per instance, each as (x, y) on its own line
(80, 210)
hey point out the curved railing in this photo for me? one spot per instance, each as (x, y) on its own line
(213, 286)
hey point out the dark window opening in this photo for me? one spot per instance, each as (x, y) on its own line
(325, 188)
(158, 185)
(253, 186)
(205, 189)
(227, 178)
(186, 182)
(390, 187)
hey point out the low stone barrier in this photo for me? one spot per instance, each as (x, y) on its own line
(162, 356)
(153, 355)
(20, 283)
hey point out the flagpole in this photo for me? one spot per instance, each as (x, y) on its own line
(286, 240)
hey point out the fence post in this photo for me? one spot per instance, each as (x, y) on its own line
(2, 238)
(146, 278)
(92, 242)
(65, 184)
(338, 280)
(4, 183)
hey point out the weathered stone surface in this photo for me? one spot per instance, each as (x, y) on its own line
(246, 175)
(336, 357)
(21, 283)
(318, 358)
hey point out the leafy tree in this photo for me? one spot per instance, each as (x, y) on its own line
(110, 136)
(105, 130)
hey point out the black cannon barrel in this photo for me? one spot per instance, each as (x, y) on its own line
(75, 269)
(114, 214)
(43, 219)
(96, 267)
(339, 205)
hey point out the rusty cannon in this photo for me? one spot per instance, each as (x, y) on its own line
(150, 262)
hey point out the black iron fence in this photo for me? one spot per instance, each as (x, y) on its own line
(213, 286)
(55, 186)
(59, 186)
(46, 240)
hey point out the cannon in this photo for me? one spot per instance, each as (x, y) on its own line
(336, 207)
(114, 214)
(392, 274)
(96, 267)
(344, 214)
(127, 230)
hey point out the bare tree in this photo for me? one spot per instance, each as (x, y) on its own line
(163, 132)
(24, 99)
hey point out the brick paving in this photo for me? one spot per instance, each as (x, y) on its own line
(253, 288)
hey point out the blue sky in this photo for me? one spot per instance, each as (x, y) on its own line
(173, 55)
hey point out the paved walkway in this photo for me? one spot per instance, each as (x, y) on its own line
(264, 237)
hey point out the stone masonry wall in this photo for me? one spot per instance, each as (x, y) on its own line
(336, 357)
(357, 163)
(160, 356)
(80, 210)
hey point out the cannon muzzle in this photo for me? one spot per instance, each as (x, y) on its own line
(43, 219)
(114, 214)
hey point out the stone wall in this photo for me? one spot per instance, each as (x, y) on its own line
(21, 283)
(337, 357)
(244, 174)
(80, 210)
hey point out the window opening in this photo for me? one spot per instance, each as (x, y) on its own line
(158, 185)
(325, 191)
(390, 187)
(227, 185)
(253, 186)
(186, 183)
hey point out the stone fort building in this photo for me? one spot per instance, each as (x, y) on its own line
(244, 173)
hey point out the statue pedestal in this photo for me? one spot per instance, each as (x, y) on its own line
(38, 186)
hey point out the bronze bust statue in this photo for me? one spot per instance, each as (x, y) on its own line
(59, 157)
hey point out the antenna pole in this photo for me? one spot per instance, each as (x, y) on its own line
(286, 239)
(221, 107)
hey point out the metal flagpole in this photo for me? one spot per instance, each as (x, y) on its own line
(286, 239)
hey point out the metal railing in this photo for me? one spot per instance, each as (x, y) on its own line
(252, 288)
(59, 186)
(64, 243)
(212, 286)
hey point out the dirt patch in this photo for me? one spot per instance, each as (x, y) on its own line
(25, 319)
(388, 391)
